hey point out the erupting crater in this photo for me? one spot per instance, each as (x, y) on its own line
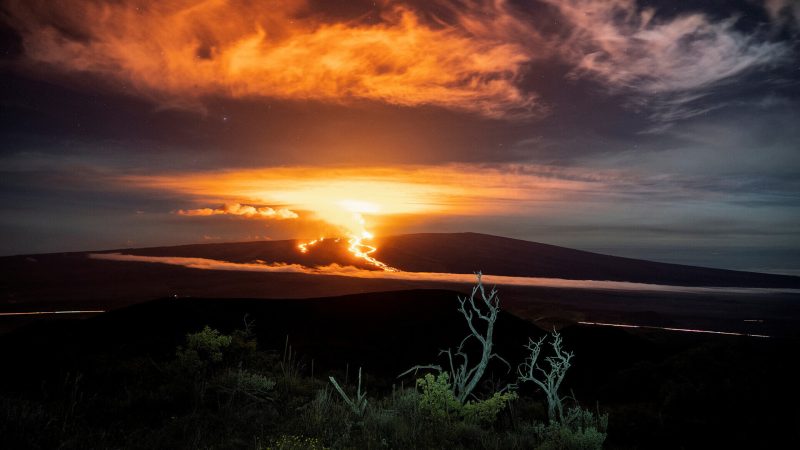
(348, 214)
(356, 247)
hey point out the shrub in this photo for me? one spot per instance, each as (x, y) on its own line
(438, 401)
(580, 429)
(485, 412)
(202, 349)
(437, 397)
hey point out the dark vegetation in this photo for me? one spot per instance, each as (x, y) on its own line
(237, 373)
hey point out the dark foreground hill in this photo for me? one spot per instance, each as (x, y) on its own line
(106, 379)
(386, 332)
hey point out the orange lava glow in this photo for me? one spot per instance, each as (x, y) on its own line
(356, 244)
(303, 247)
(356, 201)
(363, 251)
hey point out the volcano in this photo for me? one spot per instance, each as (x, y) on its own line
(746, 302)
(469, 252)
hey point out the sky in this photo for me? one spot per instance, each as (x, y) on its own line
(652, 129)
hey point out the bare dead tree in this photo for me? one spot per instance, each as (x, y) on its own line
(481, 315)
(551, 379)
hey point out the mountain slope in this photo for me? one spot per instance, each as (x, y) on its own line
(468, 252)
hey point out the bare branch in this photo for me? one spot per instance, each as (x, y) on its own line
(465, 377)
(416, 369)
(551, 379)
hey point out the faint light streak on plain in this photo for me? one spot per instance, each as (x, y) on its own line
(37, 313)
(685, 330)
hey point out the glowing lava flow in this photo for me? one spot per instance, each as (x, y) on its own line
(304, 246)
(362, 250)
(357, 247)
(355, 224)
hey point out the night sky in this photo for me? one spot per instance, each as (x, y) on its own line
(653, 129)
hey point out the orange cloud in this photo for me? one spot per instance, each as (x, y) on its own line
(178, 51)
(455, 188)
(237, 209)
(471, 57)
(358, 199)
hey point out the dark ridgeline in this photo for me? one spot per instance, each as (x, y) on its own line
(461, 252)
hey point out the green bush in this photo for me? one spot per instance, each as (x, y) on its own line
(437, 397)
(580, 429)
(485, 412)
(202, 349)
(438, 401)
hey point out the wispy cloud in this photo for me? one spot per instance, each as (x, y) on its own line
(669, 63)
(784, 11)
(468, 55)
(237, 209)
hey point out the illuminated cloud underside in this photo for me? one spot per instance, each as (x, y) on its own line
(475, 60)
(178, 51)
(344, 196)
(237, 209)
